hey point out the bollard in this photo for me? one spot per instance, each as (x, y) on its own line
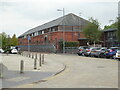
(21, 66)
(29, 55)
(36, 56)
(40, 61)
(1, 70)
(43, 59)
(32, 56)
(35, 63)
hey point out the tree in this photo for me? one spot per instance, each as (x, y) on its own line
(114, 25)
(118, 32)
(14, 40)
(3, 40)
(92, 31)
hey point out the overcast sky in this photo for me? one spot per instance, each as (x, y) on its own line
(18, 16)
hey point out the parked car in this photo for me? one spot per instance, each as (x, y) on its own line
(1, 51)
(98, 52)
(89, 50)
(81, 50)
(110, 53)
(117, 56)
(14, 51)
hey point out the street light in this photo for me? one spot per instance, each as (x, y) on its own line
(28, 43)
(63, 10)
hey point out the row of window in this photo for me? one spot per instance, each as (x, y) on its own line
(53, 29)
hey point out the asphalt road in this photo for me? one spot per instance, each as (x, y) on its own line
(82, 72)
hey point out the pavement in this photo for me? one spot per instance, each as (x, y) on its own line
(12, 78)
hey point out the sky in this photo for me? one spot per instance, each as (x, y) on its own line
(18, 16)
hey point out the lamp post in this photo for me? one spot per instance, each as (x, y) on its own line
(63, 10)
(79, 24)
(28, 43)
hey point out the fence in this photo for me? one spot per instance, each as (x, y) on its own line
(38, 48)
(72, 50)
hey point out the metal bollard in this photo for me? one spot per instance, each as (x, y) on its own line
(35, 63)
(36, 56)
(40, 64)
(32, 56)
(21, 66)
(1, 70)
(29, 55)
(43, 59)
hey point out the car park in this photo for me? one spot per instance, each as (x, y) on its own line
(81, 50)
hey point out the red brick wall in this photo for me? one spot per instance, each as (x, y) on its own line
(52, 38)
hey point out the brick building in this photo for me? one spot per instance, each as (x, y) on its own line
(68, 28)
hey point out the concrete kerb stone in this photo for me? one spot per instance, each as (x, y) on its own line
(63, 69)
(48, 78)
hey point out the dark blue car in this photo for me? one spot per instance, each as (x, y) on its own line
(110, 53)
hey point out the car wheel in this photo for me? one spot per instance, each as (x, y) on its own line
(89, 55)
(118, 59)
(78, 54)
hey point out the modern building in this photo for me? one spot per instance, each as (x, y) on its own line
(110, 38)
(66, 28)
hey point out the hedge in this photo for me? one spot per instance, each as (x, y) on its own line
(68, 44)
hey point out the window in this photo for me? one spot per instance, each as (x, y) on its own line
(75, 28)
(42, 32)
(39, 32)
(25, 36)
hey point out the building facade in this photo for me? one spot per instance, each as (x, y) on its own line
(68, 28)
(110, 38)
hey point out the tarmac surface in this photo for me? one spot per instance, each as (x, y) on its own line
(81, 72)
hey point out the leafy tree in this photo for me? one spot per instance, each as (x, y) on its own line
(92, 30)
(118, 32)
(114, 25)
(3, 40)
(14, 40)
(6, 41)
